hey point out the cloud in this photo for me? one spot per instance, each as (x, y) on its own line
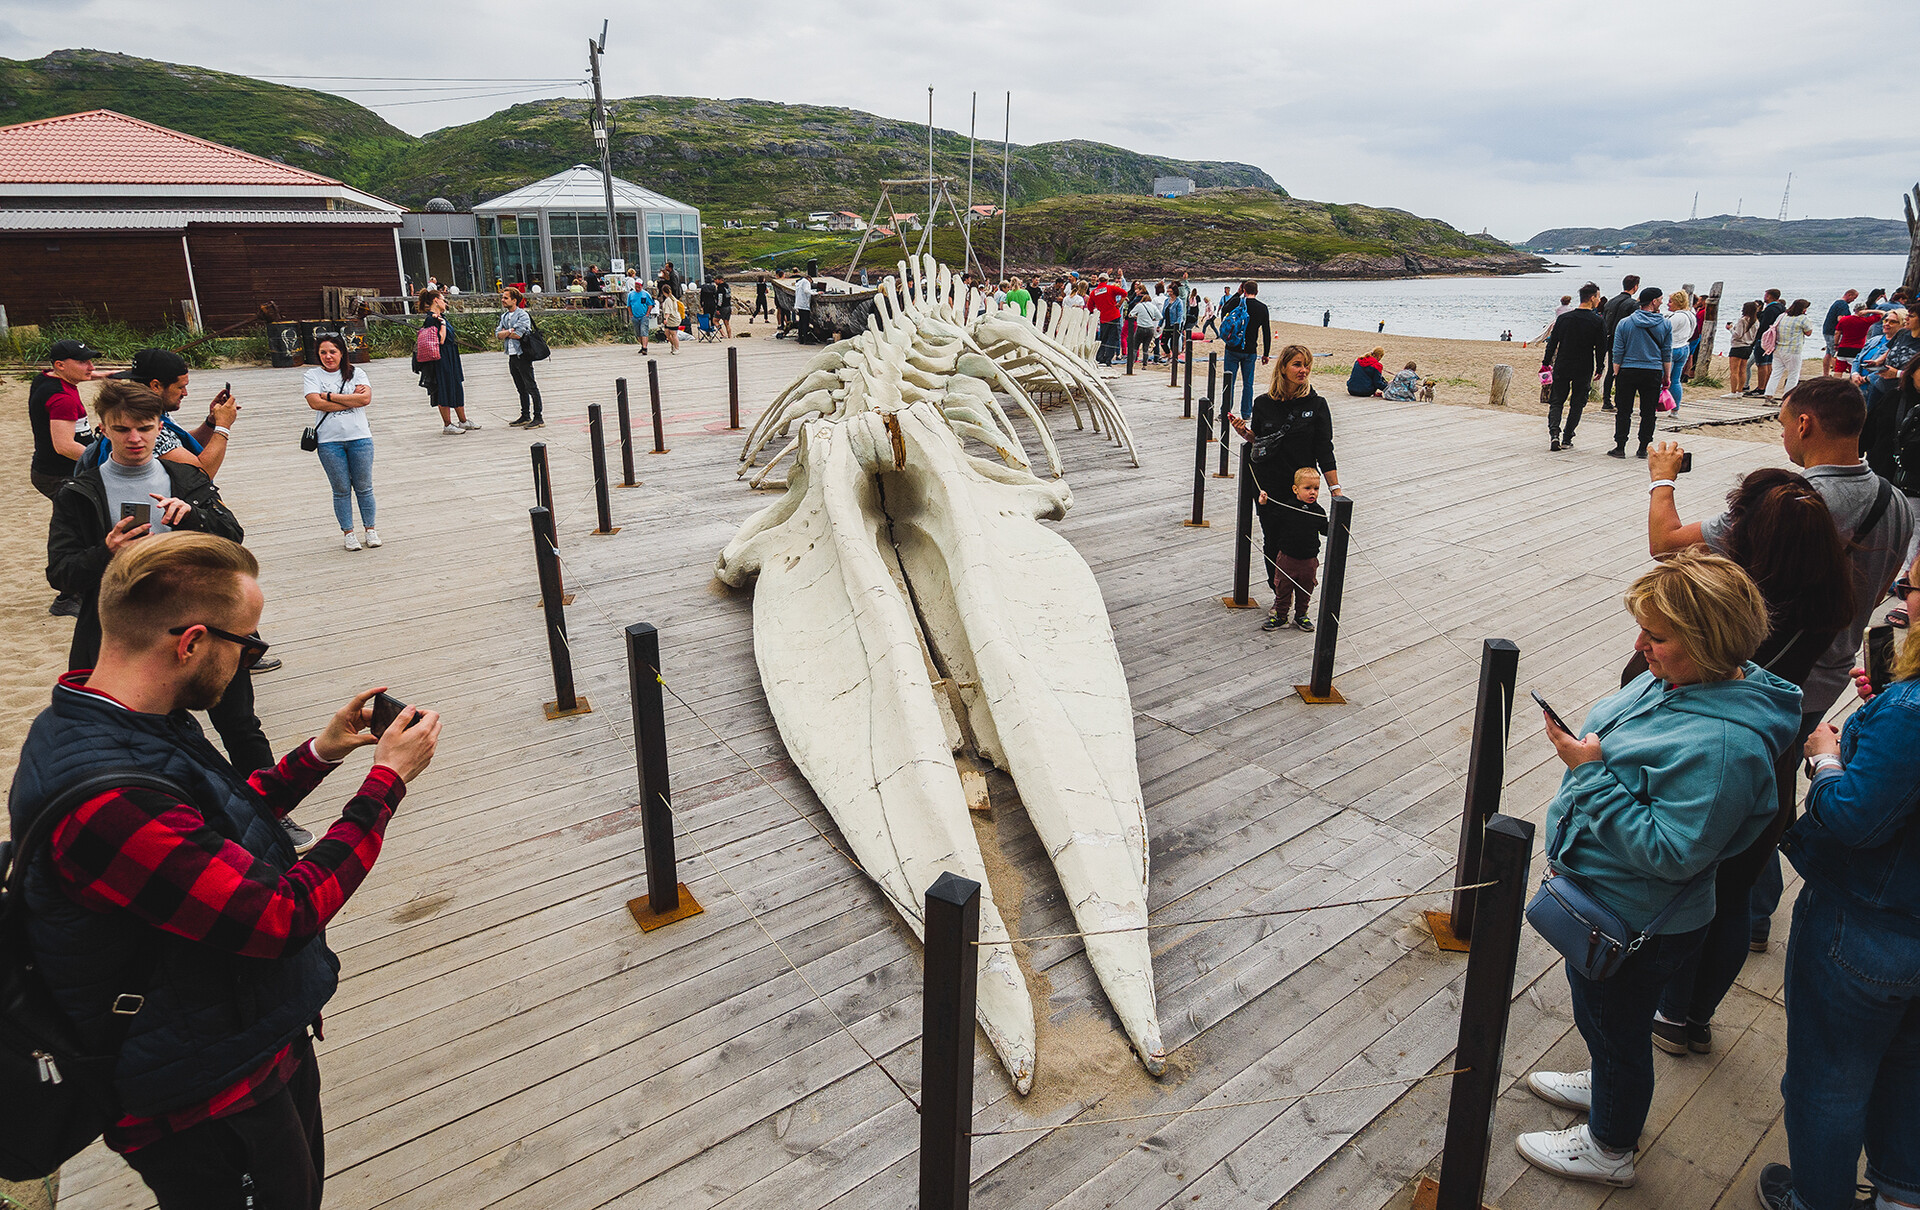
(1512, 115)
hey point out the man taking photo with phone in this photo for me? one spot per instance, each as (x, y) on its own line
(176, 928)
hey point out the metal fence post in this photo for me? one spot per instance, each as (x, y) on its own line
(1213, 369)
(1173, 364)
(946, 1042)
(653, 390)
(1484, 1007)
(1242, 597)
(1133, 342)
(1201, 435)
(1319, 690)
(602, 502)
(543, 496)
(626, 433)
(667, 898)
(547, 558)
(1486, 770)
(1186, 406)
(733, 386)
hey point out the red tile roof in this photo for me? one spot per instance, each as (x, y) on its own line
(101, 147)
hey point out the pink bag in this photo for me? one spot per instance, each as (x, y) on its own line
(1770, 339)
(426, 346)
(1666, 400)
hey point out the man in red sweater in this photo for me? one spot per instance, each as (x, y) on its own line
(1107, 300)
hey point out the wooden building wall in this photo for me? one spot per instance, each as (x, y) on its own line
(238, 266)
(137, 279)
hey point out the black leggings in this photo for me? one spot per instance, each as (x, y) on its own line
(521, 367)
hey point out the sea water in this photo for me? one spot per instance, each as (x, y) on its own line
(1481, 308)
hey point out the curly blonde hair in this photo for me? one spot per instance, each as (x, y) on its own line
(1709, 604)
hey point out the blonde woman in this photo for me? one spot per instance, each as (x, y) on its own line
(1300, 428)
(1668, 776)
(1680, 319)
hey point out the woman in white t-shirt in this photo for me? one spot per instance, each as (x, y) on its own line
(341, 395)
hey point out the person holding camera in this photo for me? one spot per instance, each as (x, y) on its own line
(176, 928)
(1853, 971)
(1674, 774)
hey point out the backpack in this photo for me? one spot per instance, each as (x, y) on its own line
(426, 346)
(1770, 339)
(59, 1096)
(1233, 327)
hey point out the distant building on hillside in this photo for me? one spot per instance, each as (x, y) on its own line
(1172, 186)
(846, 220)
(978, 213)
(112, 217)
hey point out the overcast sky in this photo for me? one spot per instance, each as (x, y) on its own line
(1511, 116)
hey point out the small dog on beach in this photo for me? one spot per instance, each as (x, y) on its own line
(1426, 390)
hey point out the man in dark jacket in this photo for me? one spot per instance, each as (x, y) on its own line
(176, 927)
(1239, 359)
(1618, 308)
(1763, 360)
(128, 496)
(1574, 351)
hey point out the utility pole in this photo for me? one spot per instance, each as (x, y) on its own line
(929, 157)
(1785, 196)
(966, 225)
(603, 139)
(1696, 206)
(1006, 152)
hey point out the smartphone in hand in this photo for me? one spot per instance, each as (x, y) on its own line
(386, 708)
(1552, 717)
(142, 514)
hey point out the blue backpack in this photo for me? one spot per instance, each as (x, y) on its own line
(1233, 326)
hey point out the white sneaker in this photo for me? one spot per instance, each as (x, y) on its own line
(373, 536)
(453, 430)
(1567, 1089)
(351, 542)
(1572, 1153)
(468, 425)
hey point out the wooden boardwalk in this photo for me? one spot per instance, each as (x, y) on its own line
(505, 1037)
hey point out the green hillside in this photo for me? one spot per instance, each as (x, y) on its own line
(1726, 233)
(312, 130)
(1255, 232)
(761, 159)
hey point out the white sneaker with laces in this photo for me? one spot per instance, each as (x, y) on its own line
(1572, 1153)
(373, 536)
(1567, 1089)
(351, 542)
(453, 430)
(468, 425)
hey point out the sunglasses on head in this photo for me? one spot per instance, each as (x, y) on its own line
(252, 646)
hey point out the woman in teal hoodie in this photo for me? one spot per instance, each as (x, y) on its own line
(1675, 773)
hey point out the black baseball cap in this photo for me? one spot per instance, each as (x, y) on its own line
(155, 365)
(73, 350)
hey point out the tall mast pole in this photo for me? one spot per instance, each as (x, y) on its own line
(1006, 151)
(929, 157)
(973, 122)
(603, 136)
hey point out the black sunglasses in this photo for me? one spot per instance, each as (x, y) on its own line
(252, 646)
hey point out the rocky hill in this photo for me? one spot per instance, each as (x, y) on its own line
(1726, 233)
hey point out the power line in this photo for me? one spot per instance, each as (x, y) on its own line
(442, 79)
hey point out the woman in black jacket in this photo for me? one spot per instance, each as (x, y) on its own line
(1291, 427)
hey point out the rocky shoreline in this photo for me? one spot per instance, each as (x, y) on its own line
(1347, 267)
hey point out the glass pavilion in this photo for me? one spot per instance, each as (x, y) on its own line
(548, 231)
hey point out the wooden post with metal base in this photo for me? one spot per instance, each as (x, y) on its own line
(1186, 404)
(667, 899)
(626, 434)
(546, 557)
(1242, 597)
(1319, 690)
(1200, 431)
(946, 1042)
(1486, 770)
(543, 496)
(1484, 1006)
(602, 502)
(653, 390)
(733, 387)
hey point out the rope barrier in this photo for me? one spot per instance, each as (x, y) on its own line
(1174, 924)
(1404, 1082)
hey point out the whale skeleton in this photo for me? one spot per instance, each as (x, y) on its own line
(934, 338)
(910, 606)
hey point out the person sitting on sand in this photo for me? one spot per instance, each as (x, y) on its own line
(1369, 376)
(1405, 386)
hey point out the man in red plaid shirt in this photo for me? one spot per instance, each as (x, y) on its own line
(185, 936)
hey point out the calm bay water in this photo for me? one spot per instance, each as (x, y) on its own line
(1480, 308)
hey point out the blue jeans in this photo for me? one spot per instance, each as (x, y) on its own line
(1616, 1021)
(1679, 369)
(1242, 364)
(1853, 1054)
(349, 465)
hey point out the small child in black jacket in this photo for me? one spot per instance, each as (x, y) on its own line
(1298, 525)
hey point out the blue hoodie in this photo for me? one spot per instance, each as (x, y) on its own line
(1685, 778)
(1643, 341)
